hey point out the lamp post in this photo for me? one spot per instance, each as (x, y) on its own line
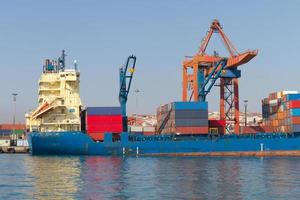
(245, 105)
(14, 113)
(136, 91)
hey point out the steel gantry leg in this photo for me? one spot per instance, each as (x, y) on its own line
(236, 106)
(229, 104)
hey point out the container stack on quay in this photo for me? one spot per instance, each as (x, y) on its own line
(99, 120)
(7, 130)
(281, 111)
(183, 118)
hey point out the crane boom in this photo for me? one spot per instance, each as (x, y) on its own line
(126, 75)
(200, 71)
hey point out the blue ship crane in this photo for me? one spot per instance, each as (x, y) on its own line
(206, 83)
(126, 75)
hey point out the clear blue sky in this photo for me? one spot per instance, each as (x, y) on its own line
(101, 34)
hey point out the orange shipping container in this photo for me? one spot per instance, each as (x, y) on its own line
(295, 120)
(12, 127)
(192, 130)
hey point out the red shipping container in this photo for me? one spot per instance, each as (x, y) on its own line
(105, 128)
(104, 119)
(192, 130)
(104, 123)
(217, 123)
(294, 104)
(97, 136)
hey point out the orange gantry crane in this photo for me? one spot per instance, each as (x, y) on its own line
(201, 71)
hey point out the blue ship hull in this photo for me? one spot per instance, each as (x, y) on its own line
(79, 143)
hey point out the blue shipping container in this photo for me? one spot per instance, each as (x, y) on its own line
(191, 114)
(295, 112)
(291, 97)
(296, 128)
(5, 132)
(191, 122)
(191, 105)
(103, 111)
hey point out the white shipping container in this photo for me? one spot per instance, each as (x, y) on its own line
(136, 129)
(149, 129)
(22, 143)
(290, 92)
(4, 142)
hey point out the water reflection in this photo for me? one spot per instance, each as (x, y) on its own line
(101, 177)
(55, 177)
(88, 177)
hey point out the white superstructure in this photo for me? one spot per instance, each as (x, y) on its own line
(58, 100)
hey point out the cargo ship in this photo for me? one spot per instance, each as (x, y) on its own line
(61, 126)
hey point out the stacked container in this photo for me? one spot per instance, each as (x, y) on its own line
(282, 111)
(12, 126)
(183, 118)
(10, 129)
(103, 119)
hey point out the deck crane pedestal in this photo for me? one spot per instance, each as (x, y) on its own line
(126, 75)
(201, 69)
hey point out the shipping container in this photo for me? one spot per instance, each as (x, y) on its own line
(105, 128)
(290, 97)
(191, 105)
(182, 115)
(256, 129)
(217, 123)
(295, 112)
(294, 104)
(283, 115)
(295, 120)
(148, 129)
(191, 122)
(12, 126)
(4, 142)
(104, 119)
(191, 130)
(103, 111)
(296, 128)
(22, 143)
(191, 114)
(136, 129)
